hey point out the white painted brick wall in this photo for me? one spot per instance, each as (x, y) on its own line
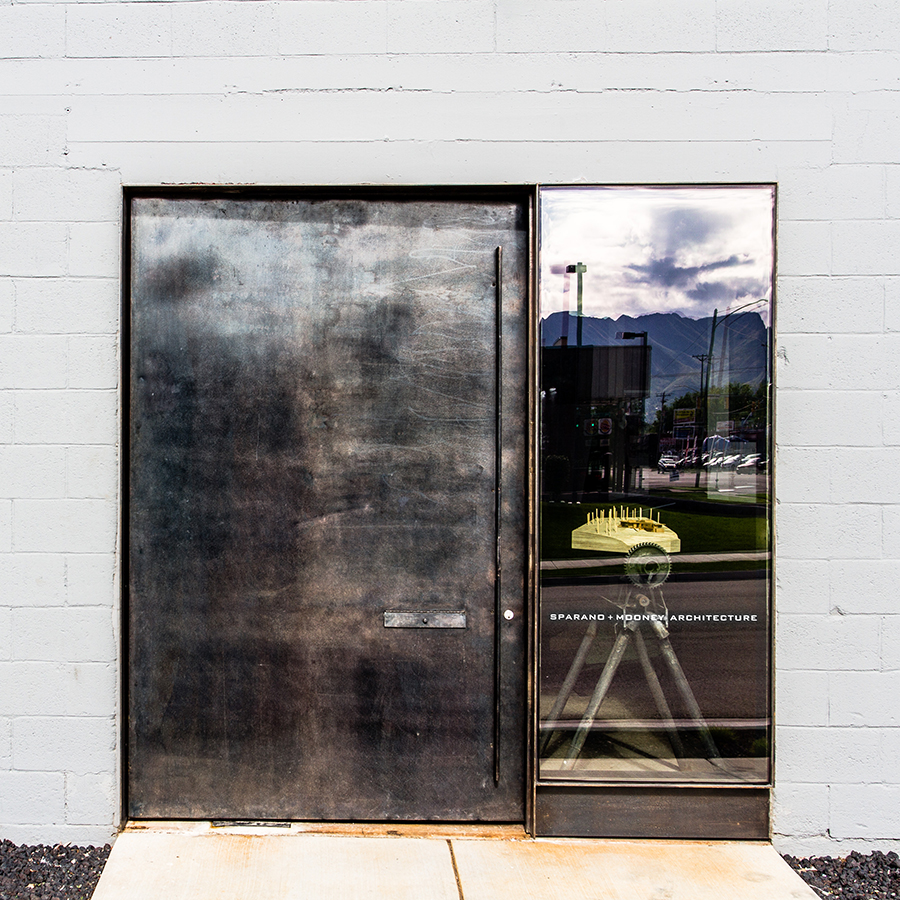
(96, 95)
(35, 31)
(50, 305)
(5, 743)
(119, 29)
(7, 305)
(810, 305)
(790, 26)
(862, 25)
(6, 195)
(32, 138)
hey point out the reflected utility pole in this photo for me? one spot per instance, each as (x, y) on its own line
(712, 338)
(700, 411)
(703, 357)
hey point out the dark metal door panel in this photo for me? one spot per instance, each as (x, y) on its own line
(313, 444)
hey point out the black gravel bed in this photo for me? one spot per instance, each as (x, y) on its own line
(858, 876)
(63, 872)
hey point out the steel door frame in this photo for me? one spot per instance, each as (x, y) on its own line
(526, 195)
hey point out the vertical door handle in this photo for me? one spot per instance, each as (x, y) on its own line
(498, 463)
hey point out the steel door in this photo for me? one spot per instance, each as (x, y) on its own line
(326, 466)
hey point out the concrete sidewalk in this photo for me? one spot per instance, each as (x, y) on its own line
(196, 862)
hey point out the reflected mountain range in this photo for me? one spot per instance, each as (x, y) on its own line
(739, 352)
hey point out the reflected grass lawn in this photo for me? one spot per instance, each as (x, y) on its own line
(713, 496)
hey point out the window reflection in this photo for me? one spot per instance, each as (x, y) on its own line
(655, 484)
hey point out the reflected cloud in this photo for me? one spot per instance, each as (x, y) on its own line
(651, 250)
(667, 273)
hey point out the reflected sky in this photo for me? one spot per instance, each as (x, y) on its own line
(687, 250)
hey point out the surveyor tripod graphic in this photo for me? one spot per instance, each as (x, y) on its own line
(643, 605)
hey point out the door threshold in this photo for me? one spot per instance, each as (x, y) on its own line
(469, 830)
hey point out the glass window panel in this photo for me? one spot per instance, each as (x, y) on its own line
(655, 491)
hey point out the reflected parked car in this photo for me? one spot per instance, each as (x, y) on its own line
(731, 461)
(749, 463)
(666, 464)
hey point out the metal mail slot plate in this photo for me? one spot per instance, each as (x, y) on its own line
(424, 618)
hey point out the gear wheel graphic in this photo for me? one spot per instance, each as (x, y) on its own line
(647, 565)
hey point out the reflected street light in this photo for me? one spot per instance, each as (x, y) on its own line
(578, 269)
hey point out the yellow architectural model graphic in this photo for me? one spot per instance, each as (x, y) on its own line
(621, 530)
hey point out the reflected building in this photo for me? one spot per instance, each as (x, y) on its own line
(593, 400)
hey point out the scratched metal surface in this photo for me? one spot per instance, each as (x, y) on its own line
(313, 443)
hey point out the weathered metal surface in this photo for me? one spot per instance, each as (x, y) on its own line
(652, 812)
(313, 389)
(424, 618)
